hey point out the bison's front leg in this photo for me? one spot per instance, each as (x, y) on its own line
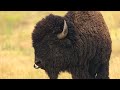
(103, 71)
(52, 74)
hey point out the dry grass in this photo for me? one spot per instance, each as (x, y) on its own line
(17, 54)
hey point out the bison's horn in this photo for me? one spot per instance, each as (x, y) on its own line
(64, 33)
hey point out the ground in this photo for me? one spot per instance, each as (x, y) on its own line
(17, 54)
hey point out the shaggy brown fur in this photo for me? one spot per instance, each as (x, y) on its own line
(84, 52)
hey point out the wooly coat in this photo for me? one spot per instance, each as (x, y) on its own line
(78, 43)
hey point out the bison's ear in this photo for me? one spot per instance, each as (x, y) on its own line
(64, 33)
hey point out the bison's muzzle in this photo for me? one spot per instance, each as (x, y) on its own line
(36, 66)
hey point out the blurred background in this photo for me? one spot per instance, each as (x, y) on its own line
(17, 54)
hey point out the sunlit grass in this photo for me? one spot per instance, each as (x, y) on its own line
(17, 54)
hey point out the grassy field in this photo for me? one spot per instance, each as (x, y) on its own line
(17, 54)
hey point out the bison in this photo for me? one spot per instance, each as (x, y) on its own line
(78, 43)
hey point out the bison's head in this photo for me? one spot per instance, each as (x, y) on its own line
(52, 40)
